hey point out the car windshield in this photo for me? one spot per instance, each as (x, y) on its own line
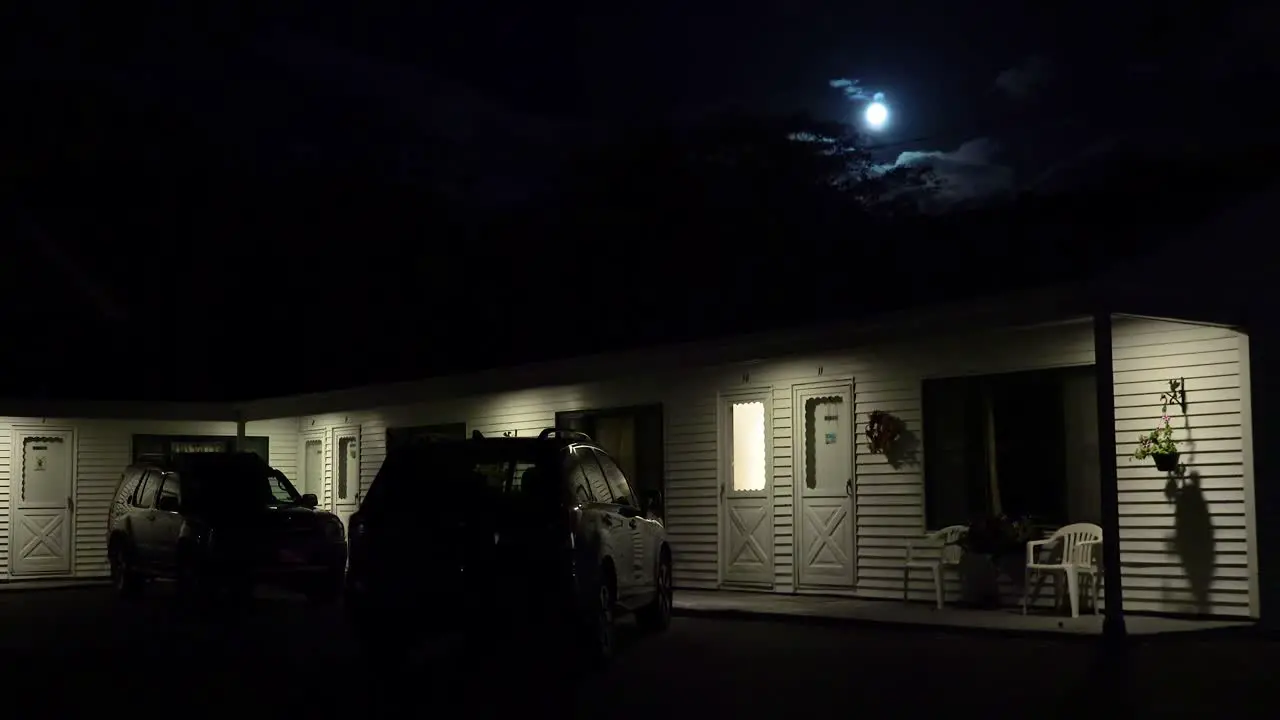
(442, 472)
(232, 482)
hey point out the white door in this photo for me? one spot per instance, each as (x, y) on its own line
(312, 475)
(43, 492)
(346, 472)
(746, 486)
(824, 485)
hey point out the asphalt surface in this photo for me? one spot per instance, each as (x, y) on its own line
(82, 650)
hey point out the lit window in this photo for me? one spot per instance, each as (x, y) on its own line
(748, 446)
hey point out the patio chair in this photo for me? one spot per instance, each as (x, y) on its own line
(947, 540)
(1074, 554)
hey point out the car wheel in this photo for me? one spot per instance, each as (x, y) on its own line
(656, 616)
(124, 578)
(603, 628)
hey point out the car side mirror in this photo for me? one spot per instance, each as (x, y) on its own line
(653, 502)
(168, 503)
(310, 500)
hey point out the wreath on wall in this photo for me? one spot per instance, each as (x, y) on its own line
(883, 430)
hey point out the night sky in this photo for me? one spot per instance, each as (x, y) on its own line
(231, 205)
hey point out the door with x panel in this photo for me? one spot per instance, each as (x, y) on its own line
(42, 492)
(824, 485)
(746, 489)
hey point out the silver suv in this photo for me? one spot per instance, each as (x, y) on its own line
(498, 533)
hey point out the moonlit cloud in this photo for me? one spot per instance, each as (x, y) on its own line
(853, 90)
(968, 173)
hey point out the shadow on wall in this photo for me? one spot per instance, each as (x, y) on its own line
(906, 451)
(1193, 536)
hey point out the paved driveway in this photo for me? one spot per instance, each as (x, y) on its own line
(70, 651)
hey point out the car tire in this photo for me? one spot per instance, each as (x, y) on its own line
(602, 633)
(656, 616)
(126, 580)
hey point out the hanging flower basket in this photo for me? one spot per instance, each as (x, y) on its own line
(1159, 444)
(883, 430)
(1166, 462)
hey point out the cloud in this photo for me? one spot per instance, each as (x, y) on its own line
(1024, 80)
(853, 90)
(968, 173)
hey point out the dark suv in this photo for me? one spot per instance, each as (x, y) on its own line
(502, 533)
(221, 521)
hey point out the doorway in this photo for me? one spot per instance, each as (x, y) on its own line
(346, 471)
(823, 485)
(43, 497)
(311, 474)
(746, 488)
(631, 435)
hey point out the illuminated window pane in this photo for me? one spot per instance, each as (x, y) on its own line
(748, 446)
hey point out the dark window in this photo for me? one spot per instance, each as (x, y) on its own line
(633, 437)
(399, 436)
(165, 445)
(617, 481)
(997, 444)
(147, 492)
(437, 478)
(595, 476)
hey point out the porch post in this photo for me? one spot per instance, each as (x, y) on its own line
(1113, 624)
(240, 430)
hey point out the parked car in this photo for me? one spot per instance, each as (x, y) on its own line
(488, 534)
(221, 521)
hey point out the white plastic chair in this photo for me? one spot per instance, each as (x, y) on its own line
(947, 540)
(1079, 556)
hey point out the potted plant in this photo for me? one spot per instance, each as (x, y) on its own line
(993, 545)
(1159, 443)
(883, 430)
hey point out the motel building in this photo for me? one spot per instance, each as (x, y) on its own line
(760, 446)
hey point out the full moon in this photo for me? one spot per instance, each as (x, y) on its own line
(876, 115)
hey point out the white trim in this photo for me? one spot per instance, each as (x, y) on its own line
(1183, 321)
(725, 400)
(15, 446)
(1250, 504)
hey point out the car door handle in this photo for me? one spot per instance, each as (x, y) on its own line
(633, 523)
(848, 487)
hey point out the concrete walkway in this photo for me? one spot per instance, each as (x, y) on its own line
(826, 609)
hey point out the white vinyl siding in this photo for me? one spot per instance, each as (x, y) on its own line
(1162, 542)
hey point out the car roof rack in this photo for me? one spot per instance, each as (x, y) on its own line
(561, 433)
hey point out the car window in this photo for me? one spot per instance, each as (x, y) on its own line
(617, 481)
(169, 487)
(595, 476)
(146, 496)
(281, 489)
